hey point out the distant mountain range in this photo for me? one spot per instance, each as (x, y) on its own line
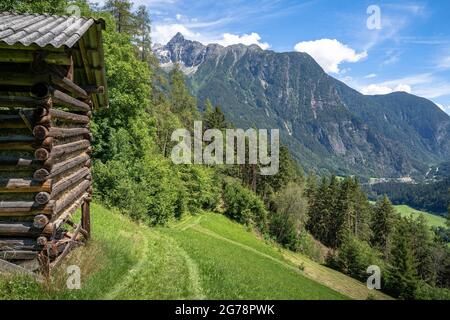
(328, 126)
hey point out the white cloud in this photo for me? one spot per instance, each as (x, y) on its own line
(434, 90)
(375, 89)
(370, 76)
(425, 85)
(246, 39)
(330, 53)
(403, 88)
(393, 57)
(444, 63)
(444, 108)
(162, 33)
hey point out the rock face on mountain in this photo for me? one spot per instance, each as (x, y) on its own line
(327, 125)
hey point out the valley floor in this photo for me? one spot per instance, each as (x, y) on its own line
(202, 257)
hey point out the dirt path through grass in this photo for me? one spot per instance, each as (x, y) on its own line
(312, 270)
(143, 269)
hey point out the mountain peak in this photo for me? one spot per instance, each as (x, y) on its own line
(177, 38)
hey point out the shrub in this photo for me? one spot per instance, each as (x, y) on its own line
(353, 258)
(427, 292)
(244, 206)
(289, 216)
(202, 187)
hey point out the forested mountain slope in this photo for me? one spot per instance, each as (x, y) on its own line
(327, 125)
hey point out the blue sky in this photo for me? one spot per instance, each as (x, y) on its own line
(409, 50)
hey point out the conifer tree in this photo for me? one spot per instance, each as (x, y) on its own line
(142, 38)
(213, 117)
(319, 212)
(182, 102)
(401, 277)
(421, 243)
(121, 11)
(383, 225)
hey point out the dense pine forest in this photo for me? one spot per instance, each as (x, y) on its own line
(325, 217)
(431, 197)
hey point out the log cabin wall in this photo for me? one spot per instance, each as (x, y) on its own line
(47, 96)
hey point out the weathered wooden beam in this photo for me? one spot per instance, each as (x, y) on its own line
(19, 229)
(11, 268)
(16, 121)
(43, 91)
(12, 244)
(68, 116)
(85, 59)
(67, 248)
(41, 132)
(60, 97)
(69, 148)
(82, 231)
(67, 213)
(24, 185)
(8, 101)
(94, 89)
(11, 78)
(26, 56)
(18, 163)
(56, 168)
(61, 133)
(68, 85)
(18, 255)
(17, 142)
(71, 196)
(24, 208)
(8, 121)
(68, 182)
(86, 218)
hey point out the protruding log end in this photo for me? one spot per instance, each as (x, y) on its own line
(47, 143)
(45, 120)
(42, 198)
(40, 90)
(40, 132)
(40, 221)
(41, 241)
(41, 154)
(41, 174)
(49, 163)
(89, 136)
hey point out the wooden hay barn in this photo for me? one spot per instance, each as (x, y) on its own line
(52, 76)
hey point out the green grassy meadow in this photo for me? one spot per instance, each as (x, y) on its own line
(433, 220)
(202, 257)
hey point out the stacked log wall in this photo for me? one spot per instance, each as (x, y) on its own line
(45, 174)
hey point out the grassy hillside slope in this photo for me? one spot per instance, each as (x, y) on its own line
(433, 220)
(202, 257)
